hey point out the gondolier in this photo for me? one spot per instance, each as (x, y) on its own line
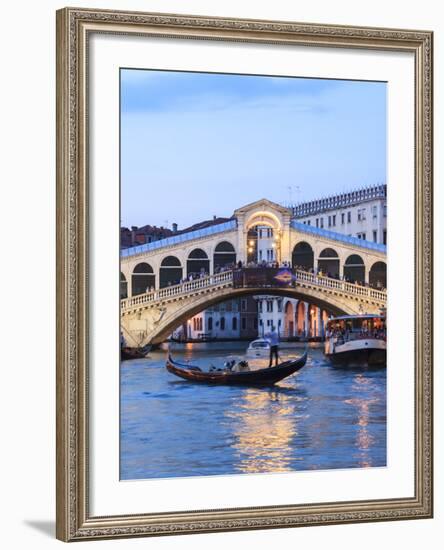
(273, 338)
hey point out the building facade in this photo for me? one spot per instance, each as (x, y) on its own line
(361, 213)
(230, 320)
(293, 319)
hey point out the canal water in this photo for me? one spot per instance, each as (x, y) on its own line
(321, 418)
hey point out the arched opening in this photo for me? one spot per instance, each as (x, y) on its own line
(324, 320)
(123, 287)
(289, 320)
(170, 271)
(142, 279)
(198, 263)
(224, 256)
(377, 276)
(303, 256)
(328, 263)
(300, 319)
(312, 321)
(262, 245)
(354, 269)
(253, 245)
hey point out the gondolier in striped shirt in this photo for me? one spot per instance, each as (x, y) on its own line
(273, 338)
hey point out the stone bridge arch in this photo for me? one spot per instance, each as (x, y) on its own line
(163, 320)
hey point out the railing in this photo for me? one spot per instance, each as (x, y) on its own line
(349, 288)
(226, 279)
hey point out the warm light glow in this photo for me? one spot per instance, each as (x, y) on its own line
(274, 245)
(250, 250)
(251, 243)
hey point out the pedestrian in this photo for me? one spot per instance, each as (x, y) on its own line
(273, 338)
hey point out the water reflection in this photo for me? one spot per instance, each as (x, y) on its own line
(321, 418)
(364, 390)
(264, 428)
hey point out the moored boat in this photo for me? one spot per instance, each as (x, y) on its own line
(127, 353)
(244, 376)
(356, 339)
(259, 348)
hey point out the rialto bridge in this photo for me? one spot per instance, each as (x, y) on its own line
(166, 282)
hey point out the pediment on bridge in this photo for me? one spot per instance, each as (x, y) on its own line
(262, 205)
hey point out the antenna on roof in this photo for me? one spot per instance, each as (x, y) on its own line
(290, 190)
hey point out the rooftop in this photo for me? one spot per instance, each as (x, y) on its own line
(340, 200)
(184, 236)
(310, 229)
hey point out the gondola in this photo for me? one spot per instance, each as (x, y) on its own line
(266, 376)
(127, 353)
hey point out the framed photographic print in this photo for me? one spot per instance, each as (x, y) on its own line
(244, 274)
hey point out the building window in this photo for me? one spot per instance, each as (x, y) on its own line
(210, 323)
(255, 323)
(222, 323)
(317, 222)
(343, 218)
(268, 322)
(375, 236)
(234, 323)
(322, 223)
(334, 220)
(384, 237)
(361, 214)
(244, 304)
(279, 323)
(349, 217)
(374, 211)
(361, 236)
(279, 302)
(329, 221)
(269, 306)
(384, 208)
(308, 222)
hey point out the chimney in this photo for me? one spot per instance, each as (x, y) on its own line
(214, 217)
(133, 234)
(174, 227)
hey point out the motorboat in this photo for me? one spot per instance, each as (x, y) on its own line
(259, 348)
(127, 353)
(356, 339)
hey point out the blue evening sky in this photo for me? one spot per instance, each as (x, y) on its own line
(194, 145)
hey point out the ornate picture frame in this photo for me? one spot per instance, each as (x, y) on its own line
(74, 29)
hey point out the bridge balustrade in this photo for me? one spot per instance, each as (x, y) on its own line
(175, 290)
(255, 278)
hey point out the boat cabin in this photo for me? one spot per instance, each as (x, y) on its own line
(355, 327)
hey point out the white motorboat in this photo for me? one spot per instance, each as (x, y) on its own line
(259, 348)
(357, 339)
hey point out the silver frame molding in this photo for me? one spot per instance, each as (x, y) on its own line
(74, 521)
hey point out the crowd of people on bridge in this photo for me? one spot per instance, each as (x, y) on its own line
(319, 272)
